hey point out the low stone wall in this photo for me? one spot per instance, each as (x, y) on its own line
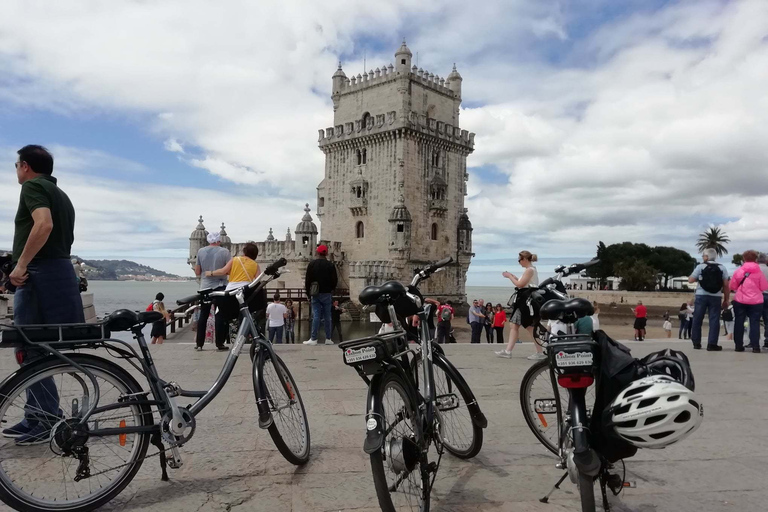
(660, 299)
(6, 306)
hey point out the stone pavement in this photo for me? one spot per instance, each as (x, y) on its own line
(232, 465)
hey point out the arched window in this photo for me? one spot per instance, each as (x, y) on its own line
(359, 230)
(436, 159)
(359, 157)
(365, 156)
(433, 234)
(305, 240)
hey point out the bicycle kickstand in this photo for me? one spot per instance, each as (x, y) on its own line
(545, 499)
(155, 440)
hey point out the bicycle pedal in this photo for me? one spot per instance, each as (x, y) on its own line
(175, 460)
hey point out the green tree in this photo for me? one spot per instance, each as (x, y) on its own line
(737, 259)
(713, 238)
(670, 262)
(636, 275)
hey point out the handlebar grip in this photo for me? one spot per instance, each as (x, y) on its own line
(275, 267)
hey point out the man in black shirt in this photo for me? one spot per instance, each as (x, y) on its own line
(47, 289)
(319, 284)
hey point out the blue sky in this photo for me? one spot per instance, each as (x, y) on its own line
(595, 120)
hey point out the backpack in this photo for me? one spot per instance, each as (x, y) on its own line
(711, 279)
(445, 314)
(727, 315)
(151, 307)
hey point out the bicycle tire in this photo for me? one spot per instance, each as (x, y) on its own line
(586, 485)
(539, 426)
(444, 388)
(380, 386)
(98, 366)
(266, 398)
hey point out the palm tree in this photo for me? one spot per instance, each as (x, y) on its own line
(713, 238)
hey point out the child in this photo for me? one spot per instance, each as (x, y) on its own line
(667, 327)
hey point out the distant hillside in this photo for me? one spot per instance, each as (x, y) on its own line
(115, 270)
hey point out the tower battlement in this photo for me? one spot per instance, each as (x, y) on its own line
(386, 74)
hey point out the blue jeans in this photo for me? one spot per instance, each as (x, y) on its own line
(742, 312)
(477, 329)
(765, 319)
(711, 305)
(321, 309)
(276, 331)
(50, 296)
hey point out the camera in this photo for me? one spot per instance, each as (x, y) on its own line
(6, 266)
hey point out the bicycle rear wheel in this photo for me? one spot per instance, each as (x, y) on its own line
(458, 432)
(290, 428)
(402, 484)
(46, 400)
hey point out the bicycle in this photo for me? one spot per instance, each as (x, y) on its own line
(416, 397)
(87, 453)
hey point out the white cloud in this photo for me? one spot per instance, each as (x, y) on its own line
(647, 130)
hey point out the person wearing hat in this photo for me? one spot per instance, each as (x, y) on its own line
(209, 259)
(319, 284)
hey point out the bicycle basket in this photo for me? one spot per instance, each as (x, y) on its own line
(367, 354)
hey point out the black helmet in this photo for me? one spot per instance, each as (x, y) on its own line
(122, 320)
(672, 363)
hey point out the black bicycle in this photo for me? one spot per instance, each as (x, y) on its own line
(78, 426)
(416, 398)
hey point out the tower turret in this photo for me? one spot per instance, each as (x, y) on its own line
(400, 227)
(465, 233)
(306, 235)
(197, 240)
(403, 59)
(226, 242)
(454, 81)
(339, 80)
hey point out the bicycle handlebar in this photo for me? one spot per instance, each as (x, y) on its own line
(421, 274)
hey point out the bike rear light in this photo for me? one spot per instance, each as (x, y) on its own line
(20, 357)
(122, 436)
(575, 380)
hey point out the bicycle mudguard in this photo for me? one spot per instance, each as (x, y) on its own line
(374, 434)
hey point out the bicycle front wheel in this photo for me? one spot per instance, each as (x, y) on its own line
(401, 481)
(586, 486)
(290, 428)
(458, 432)
(46, 463)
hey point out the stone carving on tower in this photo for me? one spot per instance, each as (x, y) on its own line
(395, 176)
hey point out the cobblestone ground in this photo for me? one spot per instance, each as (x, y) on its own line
(232, 465)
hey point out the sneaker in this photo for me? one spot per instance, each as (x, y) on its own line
(329, 342)
(310, 342)
(504, 353)
(39, 435)
(737, 349)
(18, 430)
(756, 350)
(697, 347)
(538, 356)
(714, 348)
(221, 348)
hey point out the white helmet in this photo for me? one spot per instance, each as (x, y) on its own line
(655, 412)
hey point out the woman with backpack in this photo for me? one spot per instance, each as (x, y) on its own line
(521, 316)
(749, 283)
(158, 333)
(444, 316)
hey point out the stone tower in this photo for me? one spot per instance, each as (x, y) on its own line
(395, 176)
(197, 240)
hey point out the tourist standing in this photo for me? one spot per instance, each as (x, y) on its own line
(46, 286)
(158, 333)
(596, 316)
(445, 314)
(749, 283)
(488, 322)
(290, 322)
(521, 314)
(682, 316)
(476, 321)
(641, 319)
(276, 312)
(689, 308)
(727, 318)
(667, 325)
(711, 298)
(499, 319)
(319, 283)
(336, 319)
(210, 259)
(240, 270)
(762, 261)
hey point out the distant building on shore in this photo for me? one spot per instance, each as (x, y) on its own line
(392, 197)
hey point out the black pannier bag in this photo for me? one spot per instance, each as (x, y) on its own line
(230, 309)
(617, 370)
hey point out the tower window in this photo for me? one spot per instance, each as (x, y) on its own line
(435, 159)
(305, 240)
(402, 61)
(365, 156)
(400, 228)
(321, 202)
(359, 230)
(359, 157)
(433, 234)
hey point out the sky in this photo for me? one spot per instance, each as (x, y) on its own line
(641, 120)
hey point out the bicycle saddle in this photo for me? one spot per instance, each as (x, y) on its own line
(124, 319)
(372, 294)
(566, 310)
